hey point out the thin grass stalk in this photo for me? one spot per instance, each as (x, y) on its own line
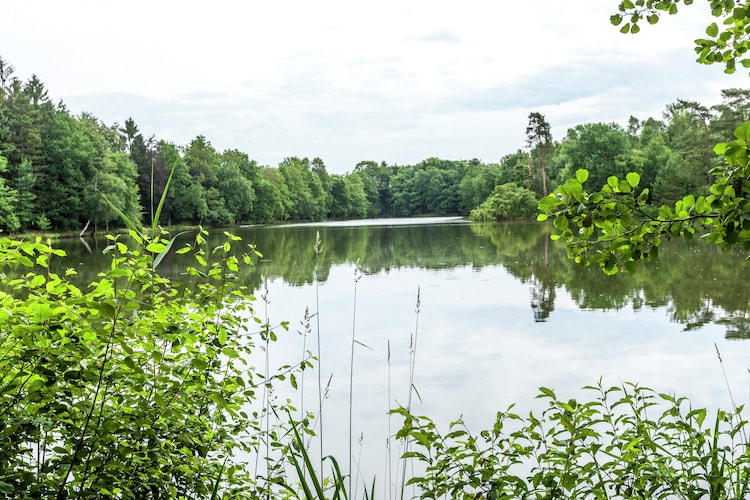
(388, 438)
(729, 389)
(305, 331)
(318, 249)
(357, 276)
(359, 470)
(266, 398)
(412, 363)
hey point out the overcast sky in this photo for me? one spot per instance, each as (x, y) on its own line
(393, 80)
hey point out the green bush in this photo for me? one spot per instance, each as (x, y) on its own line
(133, 386)
(507, 201)
(627, 442)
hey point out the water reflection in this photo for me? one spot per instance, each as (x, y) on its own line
(695, 284)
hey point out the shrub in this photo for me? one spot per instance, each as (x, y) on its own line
(507, 201)
(627, 442)
(133, 386)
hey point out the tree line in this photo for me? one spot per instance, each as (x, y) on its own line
(55, 167)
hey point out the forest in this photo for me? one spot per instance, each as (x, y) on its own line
(55, 166)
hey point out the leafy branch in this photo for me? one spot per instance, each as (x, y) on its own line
(615, 228)
(726, 42)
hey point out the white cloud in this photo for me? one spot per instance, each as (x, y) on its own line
(344, 81)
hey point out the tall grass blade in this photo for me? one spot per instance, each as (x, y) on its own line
(299, 445)
(157, 215)
(132, 225)
(160, 256)
(338, 479)
(151, 203)
(371, 495)
(215, 490)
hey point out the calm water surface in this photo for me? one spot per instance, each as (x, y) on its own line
(502, 311)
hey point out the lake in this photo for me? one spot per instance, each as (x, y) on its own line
(502, 311)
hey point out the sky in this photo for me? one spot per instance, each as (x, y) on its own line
(397, 81)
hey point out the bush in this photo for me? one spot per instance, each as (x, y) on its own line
(507, 201)
(616, 445)
(133, 386)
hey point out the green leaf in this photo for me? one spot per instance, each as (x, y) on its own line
(545, 392)
(743, 132)
(633, 179)
(582, 175)
(156, 247)
(107, 310)
(713, 30)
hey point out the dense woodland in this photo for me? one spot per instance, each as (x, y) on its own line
(54, 166)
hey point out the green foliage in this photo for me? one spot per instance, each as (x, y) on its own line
(8, 199)
(603, 149)
(134, 386)
(507, 201)
(612, 228)
(57, 164)
(348, 198)
(305, 191)
(376, 180)
(477, 184)
(626, 442)
(725, 42)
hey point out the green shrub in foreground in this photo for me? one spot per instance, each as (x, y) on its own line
(626, 442)
(134, 386)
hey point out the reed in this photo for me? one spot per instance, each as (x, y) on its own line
(388, 461)
(412, 388)
(357, 277)
(266, 398)
(318, 250)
